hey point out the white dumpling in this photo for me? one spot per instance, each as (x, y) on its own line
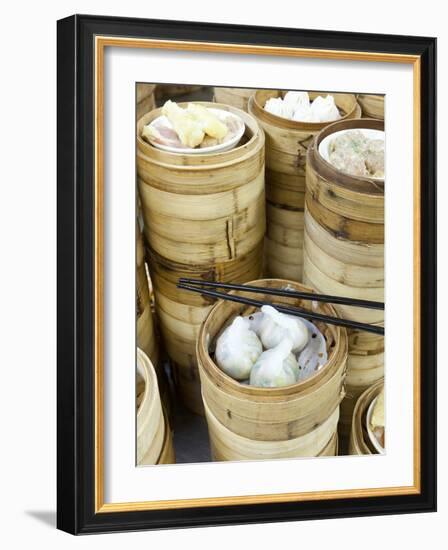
(324, 109)
(274, 105)
(288, 106)
(314, 355)
(255, 322)
(297, 100)
(209, 122)
(272, 327)
(275, 367)
(302, 114)
(237, 349)
(188, 129)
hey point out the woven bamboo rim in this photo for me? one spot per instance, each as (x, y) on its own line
(360, 184)
(346, 104)
(359, 440)
(253, 143)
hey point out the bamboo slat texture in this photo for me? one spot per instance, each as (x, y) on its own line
(236, 97)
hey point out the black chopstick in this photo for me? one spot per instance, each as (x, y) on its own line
(288, 293)
(297, 312)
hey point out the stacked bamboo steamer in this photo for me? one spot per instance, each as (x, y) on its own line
(204, 217)
(372, 105)
(154, 439)
(344, 255)
(146, 336)
(287, 142)
(251, 423)
(145, 98)
(237, 97)
(360, 443)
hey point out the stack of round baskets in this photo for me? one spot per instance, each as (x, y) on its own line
(250, 423)
(287, 142)
(237, 97)
(146, 337)
(344, 255)
(154, 439)
(145, 98)
(372, 105)
(204, 218)
(360, 443)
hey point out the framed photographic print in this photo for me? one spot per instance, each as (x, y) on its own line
(246, 309)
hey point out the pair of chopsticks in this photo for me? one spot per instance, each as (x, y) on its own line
(196, 285)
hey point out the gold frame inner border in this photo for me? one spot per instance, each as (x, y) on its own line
(101, 42)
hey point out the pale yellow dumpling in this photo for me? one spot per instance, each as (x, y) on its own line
(209, 122)
(186, 126)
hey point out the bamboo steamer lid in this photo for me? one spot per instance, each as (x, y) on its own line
(271, 414)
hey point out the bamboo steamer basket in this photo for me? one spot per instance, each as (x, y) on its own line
(237, 97)
(203, 208)
(150, 418)
(284, 242)
(204, 217)
(344, 255)
(145, 99)
(226, 445)
(359, 440)
(181, 313)
(372, 105)
(167, 454)
(271, 414)
(146, 337)
(287, 142)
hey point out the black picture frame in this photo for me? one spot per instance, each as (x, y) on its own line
(75, 309)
